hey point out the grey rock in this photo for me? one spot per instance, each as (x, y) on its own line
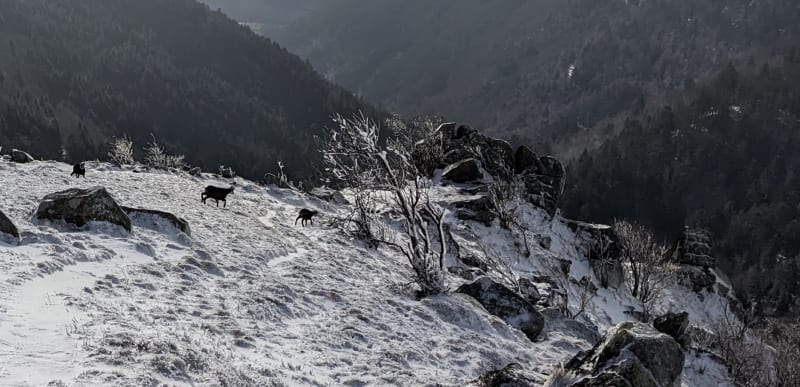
(506, 304)
(469, 274)
(179, 223)
(21, 157)
(464, 171)
(529, 291)
(555, 321)
(196, 171)
(80, 206)
(330, 195)
(8, 231)
(513, 375)
(673, 324)
(631, 354)
(485, 217)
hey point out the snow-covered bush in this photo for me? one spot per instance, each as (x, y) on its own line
(121, 152)
(157, 157)
(420, 139)
(648, 270)
(355, 157)
(749, 359)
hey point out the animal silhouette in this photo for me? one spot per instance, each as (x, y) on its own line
(307, 216)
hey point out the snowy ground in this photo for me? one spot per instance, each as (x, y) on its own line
(252, 299)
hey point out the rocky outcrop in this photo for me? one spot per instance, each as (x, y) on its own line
(80, 206)
(141, 213)
(8, 231)
(674, 324)
(328, 194)
(543, 177)
(693, 248)
(512, 375)
(464, 171)
(555, 321)
(21, 157)
(196, 172)
(506, 304)
(631, 354)
(692, 251)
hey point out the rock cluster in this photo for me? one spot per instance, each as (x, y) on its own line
(693, 253)
(468, 154)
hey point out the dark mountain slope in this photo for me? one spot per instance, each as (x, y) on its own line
(506, 65)
(723, 154)
(75, 73)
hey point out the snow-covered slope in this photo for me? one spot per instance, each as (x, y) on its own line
(251, 299)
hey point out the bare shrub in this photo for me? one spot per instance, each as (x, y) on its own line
(645, 260)
(121, 152)
(606, 263)
(421, 139)
(354, 156)
(157, 157)
(747, 357)
(784, 337)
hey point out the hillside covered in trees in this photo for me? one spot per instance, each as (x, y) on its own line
(549, 73)
(75, 74)
(721, 154)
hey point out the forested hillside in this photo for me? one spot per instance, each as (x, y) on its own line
(721, 154)
(76, 73)
(547, 72)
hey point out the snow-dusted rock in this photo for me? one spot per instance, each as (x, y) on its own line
(631, 354)
(673, 324)
(513, 375)
(142, 214)
(506, 304)
(80, 206)
(464, 171)
(196, 171)
(8, 231)
(21, 157)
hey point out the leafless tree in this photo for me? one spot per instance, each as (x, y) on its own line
(747, 356)
(648, 269)
(353, 155)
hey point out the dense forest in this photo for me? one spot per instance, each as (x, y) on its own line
(76, 73)
(722, 154)
(558, 75)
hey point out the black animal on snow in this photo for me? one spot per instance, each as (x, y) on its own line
(79, 170)
(216, 193)
(306, 215)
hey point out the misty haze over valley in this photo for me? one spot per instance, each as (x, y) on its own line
(385, 192)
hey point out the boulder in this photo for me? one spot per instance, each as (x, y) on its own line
(330, 195)
(478, 209)
(464, 171)
(630, 354)
(485, 217)
(467, 273)
(506, 304)
(555, 321)
(8, 231)
(513, 375)
(78, 207)
(696, 278)
(21, 157)
(693, 248)
(673, 324)
(179, 223)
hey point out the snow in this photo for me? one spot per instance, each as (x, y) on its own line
(252, 299)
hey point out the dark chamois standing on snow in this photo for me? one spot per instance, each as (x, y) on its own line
(79, 170)
(217, 194)
(306, 215)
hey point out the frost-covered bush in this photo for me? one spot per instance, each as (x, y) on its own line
(157, 157)
(355, 157)
(121, 152)
(648, 270)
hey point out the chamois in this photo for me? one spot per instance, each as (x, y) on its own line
(306, 215)
(217, 194)
(79, 170)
